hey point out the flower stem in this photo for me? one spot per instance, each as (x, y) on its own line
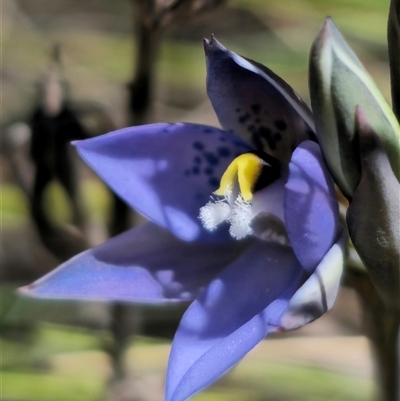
(382, 327)
(124, 323)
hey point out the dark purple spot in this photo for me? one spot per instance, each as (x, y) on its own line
(256, 108)
(222, 139)
(187, 172)
(266, 134)
(238, 110)
(223, 151)
(197, 160)
(244, 118)
(195, 170)
(214, 182)
(208, 130)
(198, 146)
(209, 171)
(256, 139)
(265, 130)
(211, 158)
(168, 128)
(199, 196)
(280, 125)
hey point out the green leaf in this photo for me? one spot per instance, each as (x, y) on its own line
(338, 83)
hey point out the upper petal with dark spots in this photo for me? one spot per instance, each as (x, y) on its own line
(253, 102)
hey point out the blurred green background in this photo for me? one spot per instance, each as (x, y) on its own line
(56, 351)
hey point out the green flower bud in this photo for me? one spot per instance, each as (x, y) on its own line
(338, 83)
(373, 217)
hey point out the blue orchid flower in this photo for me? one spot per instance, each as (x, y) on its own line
(243, 222)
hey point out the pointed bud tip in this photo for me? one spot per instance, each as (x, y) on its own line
(328, 22)
(212, 44)
(328, 28)
(323, 37)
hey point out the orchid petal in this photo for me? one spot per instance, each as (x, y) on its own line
(145, 264)
(220, 327)
(256, 104)
(373, 217)
(167, 172)
(317, 295)
(311, 208)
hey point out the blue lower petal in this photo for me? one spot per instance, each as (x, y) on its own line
(231, 316)
(311, 207)
(167, 172)
(317, 295)
(145, 264)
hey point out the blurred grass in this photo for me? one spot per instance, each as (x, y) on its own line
(95, 196)
(283, 382)
(182, 64)
(14, 207)
(45, 387)
(45, 341)
(63, 363)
